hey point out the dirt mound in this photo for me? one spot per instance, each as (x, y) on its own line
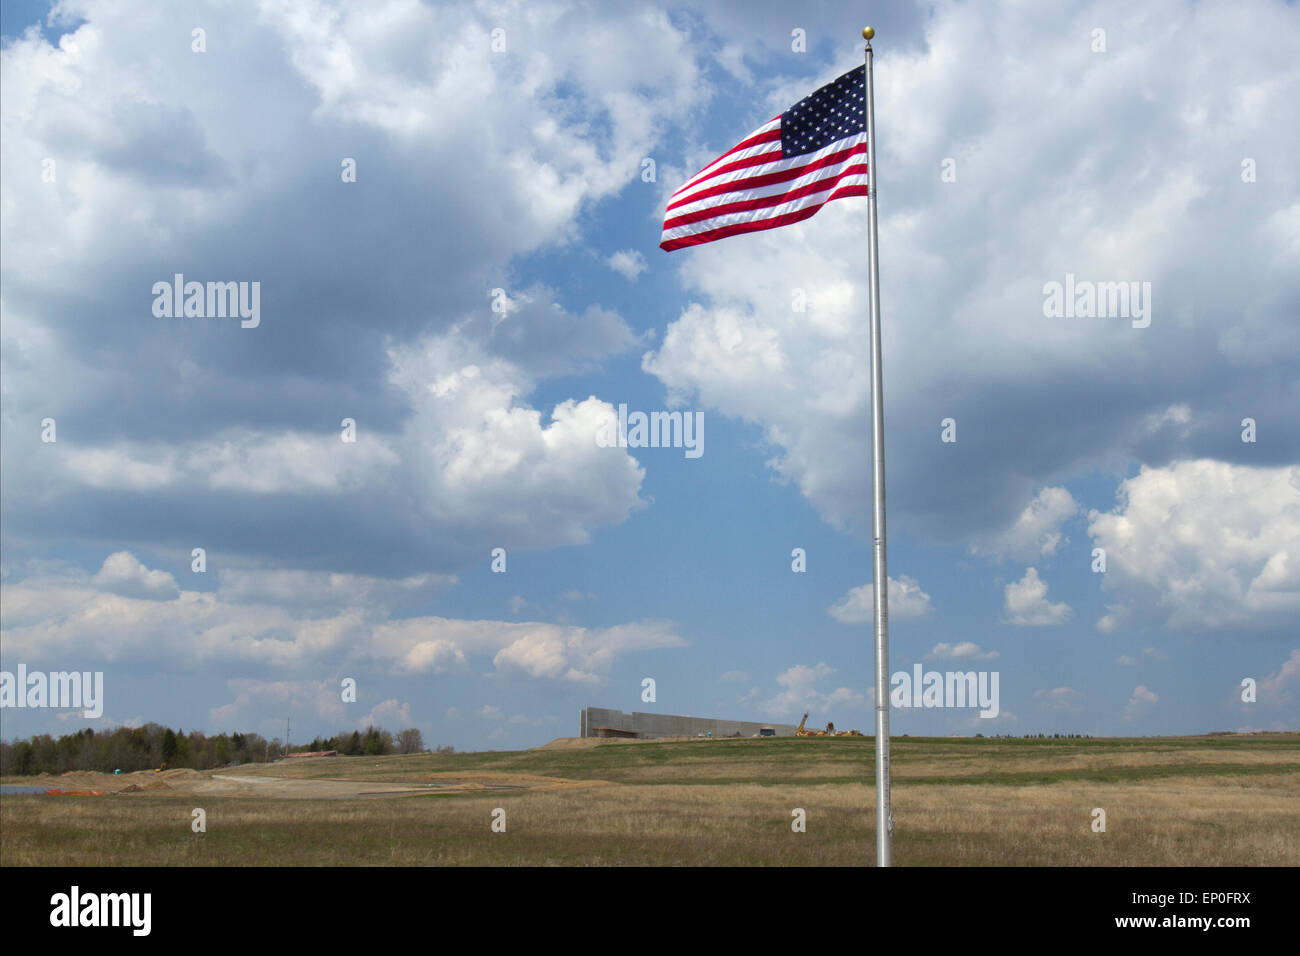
(72, 780)
(183, 773)
(147, 786)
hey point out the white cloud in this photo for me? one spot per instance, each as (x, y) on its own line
(1276, 690)
(1026, 603)
(1141, 702)
(738, 676)
(800, 693)
(628, 263)
(63, 614)
(1037, 532)
(1206, 544)
(1116, 615)
(252, 462)
(1065, 699)
(326, 589)
(962, 650)
(123, 574)
(1036, 399)
(1179, 414)
(477, 459)
(489, 463)
(162, 171)
(906, 601)
(392, 715)
(576, 654)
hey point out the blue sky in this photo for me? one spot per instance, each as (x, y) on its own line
(1016, 147)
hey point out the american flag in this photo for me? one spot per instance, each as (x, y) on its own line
(781, 173)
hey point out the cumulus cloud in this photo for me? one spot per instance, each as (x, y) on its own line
(62, 615)
(962, 650)
(1140, 702)
(1037, 532)
(906, 601)
(577, 654)
(628, 263)
(325, 589)
(464, 159)
(1036, 400)
(1279, 688)
(800, 692)
(1206, 544)
(1179, 416)
(123, 574)
(537, 334)
(1116, 615)
(492, 466)
(472, 463)
(1026, 603)
(1065, 699)
(392, 715)
(244, 462)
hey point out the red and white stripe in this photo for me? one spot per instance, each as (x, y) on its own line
(751, 187)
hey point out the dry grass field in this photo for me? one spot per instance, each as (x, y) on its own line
(1190, 801)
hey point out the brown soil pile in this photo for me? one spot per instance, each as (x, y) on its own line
(142, 781)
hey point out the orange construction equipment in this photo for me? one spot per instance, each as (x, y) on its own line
(830, 730)
(801, 732)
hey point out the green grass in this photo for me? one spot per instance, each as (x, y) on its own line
(808, 760)
(1200, 801)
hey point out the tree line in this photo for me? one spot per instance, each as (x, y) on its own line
(151, 746)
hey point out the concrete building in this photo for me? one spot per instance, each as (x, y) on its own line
(603, 722)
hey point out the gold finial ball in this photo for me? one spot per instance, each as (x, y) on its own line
(868, 32)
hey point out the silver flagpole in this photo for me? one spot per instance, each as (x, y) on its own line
(880, 591)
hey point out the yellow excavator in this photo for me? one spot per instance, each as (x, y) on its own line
(801, 731)
(830, 731)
